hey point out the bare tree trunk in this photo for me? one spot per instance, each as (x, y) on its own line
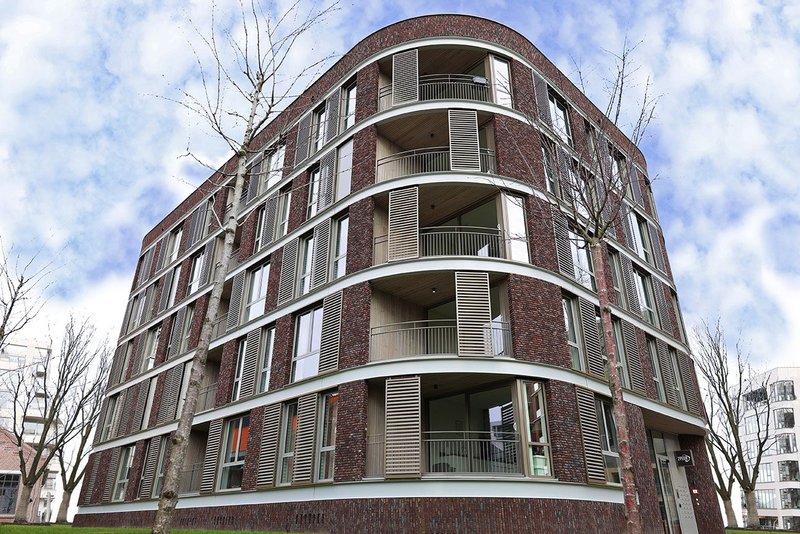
(23, 503)
(63, 508)
(752, 508)
(617, 403)
(730, 515)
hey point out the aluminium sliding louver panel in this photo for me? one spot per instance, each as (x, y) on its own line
(101, 421)
(630, 287)
(169, 398)
(303, 139)
(625, 214)
(139, 356)
(689, 382)
(270, 220)
(235, 302)
(331, 329)
(473, 314)
(592, 339)
(141, 399)
(162, 252)
(320, 263)
(590, 432)
(563, 247)
(327, 171)
(655, 244)
(144, 271)
(146, 489)
(211, 459)
(114, 376)
(196, 226)
(111, 476)
(286, 286)
(252, 183)
(306, 439)
(332, 112)
(177, 332)
(208, 262)
(250, 363)
(464, 145)
(149, 294)
(127, 409)
(636, 188)
(667, 373)
(661, 304)
(633, 358)
(542, 99)
(90, 476)
(403, 448)
(403, 236)
(405, 76)
(166, 288)
(115, 422)
(127, 317)
(268, 454)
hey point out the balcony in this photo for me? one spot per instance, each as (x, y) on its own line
(190, 479)
(442, 87)
(425, 160)
(432, 338)
(457, 452)
(450, 241)
(206, 398)
(219, 326)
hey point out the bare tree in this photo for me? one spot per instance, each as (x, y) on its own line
(249, 64)
(591, 190)
(733, 393)
(49, 401)
(21, 286)
(723, 483)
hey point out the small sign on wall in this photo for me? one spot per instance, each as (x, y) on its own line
(684, 458)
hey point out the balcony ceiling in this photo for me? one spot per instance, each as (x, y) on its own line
(417, 288)
(438, 203)
(421, 130)
(442, 60)
(443, 385)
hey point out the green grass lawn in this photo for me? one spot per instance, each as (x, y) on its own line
(66, 529)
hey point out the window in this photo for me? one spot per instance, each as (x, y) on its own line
(789, 471)
(619, 172)
(288, 434)
(305, 362)
(559, 114)
(173, 288)
(790, 498)
(274, 170)
(257, 292)
(194, 276)
(9, 488)
(536, 429)
(174, 245)
(677, 309)
(766, 473)
(326, 445)
(641, 236)
(319, 125)
(616, 277)
(340, 252)
(138, 310)
(121, 483)
(786, 443)
(751, 450)
(501, 78)
(148, 406)
(750, 424)
(160, 466)
(111, 416)
(187, 329)
(187, 371)
(236, 435)
(266, 359)
(306, 263)
(549, 168)
(782, 391)
(514, 213)
(647, 301)
(349, 105)
(608, 440)
(790, 523)
(622, 364)
(259, 229)
(569, 306)
(314, 177)
(755, 397)
(676, 372)
(582, 261)
(344, 170)
(282, 223)
(765, 499)
(150, 348)
(784, 418)
(237, 379)
(126, 360)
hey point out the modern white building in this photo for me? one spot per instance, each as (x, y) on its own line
(778, 485)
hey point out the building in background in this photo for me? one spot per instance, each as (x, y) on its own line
(778, 485)
(404, 342)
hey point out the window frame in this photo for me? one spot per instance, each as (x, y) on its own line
(529, 422)
(161, 464)
(195, 273)
(349, 103)
(236, 390)
(571, 320)
(311, 345)
(326, 450)
(582, 264)
(153, 337)
(123, 473)
(622, 357)
(287, 444)
(265, 358)
(339, 252)
(314, 183)
(559, 117)
(258, 286)
(616, 277)
(305, 265)
(609, 443)
(655, 363)
(647, 298)
(226, 465)
(319, 128)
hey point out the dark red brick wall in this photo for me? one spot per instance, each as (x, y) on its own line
(200, 308)
(351, 432)
(135, 474)
(519, 151)
(282, 352)
(354, 333)
(565, 434)
(227, 372)
(706, 505)
(643, 469)
(360, 236)
(541, 239)
(364, 143)
(253, 448)
(367, 92)
(299, 202)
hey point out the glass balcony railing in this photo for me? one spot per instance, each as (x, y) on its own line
(443, 87)
(450, 241)
(425, 160)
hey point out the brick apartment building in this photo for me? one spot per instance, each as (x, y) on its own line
(404, 342)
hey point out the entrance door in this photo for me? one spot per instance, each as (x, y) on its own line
(669, 508)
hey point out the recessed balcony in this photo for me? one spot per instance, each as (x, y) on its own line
(442, 87)
(450, 241)
(426, 160)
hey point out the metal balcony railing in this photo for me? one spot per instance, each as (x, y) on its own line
(219, 326)
(443, 87)
(450, 241)
(207, 397)
(190, 479)
(472, 452)
(425, 160)
(375, 448)
(433, 337)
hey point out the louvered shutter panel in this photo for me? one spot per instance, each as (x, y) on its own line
(563, 247)
(464, 145)
(327, 171)
(91, 479)
(137, 359)
(592, 339)
(252, 185)
(150, 466)
(403, 224)
(123, 410)
(590, 431)
(252, 350)
(166, 288)
(211, 459)
(542, 99)
(661, 304)
(403, 415)
(101, 422)
(235, 302)
(208, 263)
(113, 465)
(177, 332)
(633, 356)
(144, 270)
(270, 220)
(169, 397)
(405, 74)
(689, 383)
(162, 252)
(630, 286)
(565, 185)
(331, 327)
(268, 454)
(306, 438)
(288, 272)
(332, 107)
(655, 245)
(628, 220)
(303, 139)
(127, 317)
(196, 226)
(138, 413)
(473, 314)
(604, 165)
(114, 375)
(149, 293)
(636, 187)
(667, 373)
(322, 243)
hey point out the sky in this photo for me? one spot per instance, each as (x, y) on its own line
(91, 138)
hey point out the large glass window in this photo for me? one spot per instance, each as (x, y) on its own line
(766, 473)
(349, 105)
(608, 440)
(766, 499)
(111, 415)
(306, 264)
(784, 418)
(275, 167)
(549, 168)
(150, 348)
(265, 365)
(789, 471)
(501, 87)
(161, 466)
(186, 334)
(514, 207)
(256, 292)
(173, 245)
(783, 390)
(344, 171)
(340, 252)
(582, 261)
(173, 288)
(123, 471)
(314, 177)
(236, 435)
(790, 498)
(288, 435)
(326, 445)
(319, 125)
(536, 437)
(237, 378)
(676, 372)
(282, 223)
(569, 306)
(259, 229)
(305, 362)
(616, 278)
(559, 116)
(622, 363)
(786, 443)
(148, 407)
(656, 365)
(197, 269)
(9, 488)
(644, 290)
